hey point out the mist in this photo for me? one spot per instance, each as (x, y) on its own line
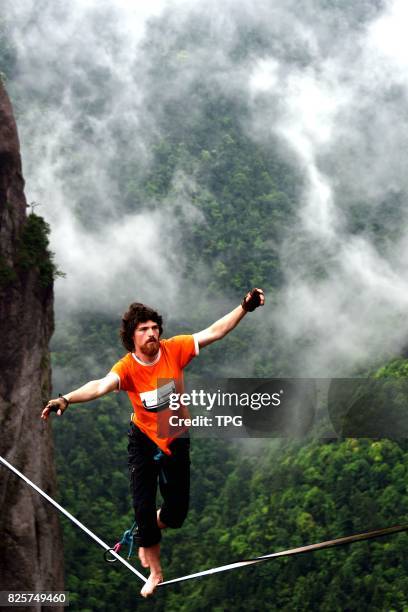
(328, 86)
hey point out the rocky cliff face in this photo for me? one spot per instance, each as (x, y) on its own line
(30, 536)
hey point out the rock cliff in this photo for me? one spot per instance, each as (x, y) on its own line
(31, 555)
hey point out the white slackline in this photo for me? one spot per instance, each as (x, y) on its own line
(73, 519)
(357, 537)
(294, 551)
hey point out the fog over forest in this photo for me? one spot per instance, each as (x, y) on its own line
(322, 83)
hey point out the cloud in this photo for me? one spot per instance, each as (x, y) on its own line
(81, 117)
(345, 291)
(326, 84)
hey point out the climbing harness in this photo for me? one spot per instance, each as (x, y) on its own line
(357, 537)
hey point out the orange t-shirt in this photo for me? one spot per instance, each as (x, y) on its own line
(149, 385)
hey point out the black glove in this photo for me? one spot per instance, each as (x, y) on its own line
(252, 300)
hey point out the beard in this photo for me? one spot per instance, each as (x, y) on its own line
(150, 348)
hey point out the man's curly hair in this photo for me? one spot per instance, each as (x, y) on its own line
(137, 313)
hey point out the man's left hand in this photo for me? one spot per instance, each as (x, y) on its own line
(253, 299)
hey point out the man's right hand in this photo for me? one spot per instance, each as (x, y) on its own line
(58, 405)
(89, 391)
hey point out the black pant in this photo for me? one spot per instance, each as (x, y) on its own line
(172, 472)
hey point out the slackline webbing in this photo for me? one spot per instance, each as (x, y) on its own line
(367, 535)
(73, 519)
(357, 537)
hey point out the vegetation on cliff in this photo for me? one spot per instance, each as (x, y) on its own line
(33, 250)
(31, 253)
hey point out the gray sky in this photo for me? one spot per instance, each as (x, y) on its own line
(331, 86)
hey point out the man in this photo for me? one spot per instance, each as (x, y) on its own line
(141, 373)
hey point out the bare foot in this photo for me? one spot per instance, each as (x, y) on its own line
(151, 584)
(142, 557)
(159, 522)
(150, 557)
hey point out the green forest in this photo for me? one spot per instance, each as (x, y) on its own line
(248, 497)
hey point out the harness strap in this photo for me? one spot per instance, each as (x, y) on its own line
(158, 457)
(129, 538)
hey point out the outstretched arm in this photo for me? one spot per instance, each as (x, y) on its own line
(223, 326)
(90, 391)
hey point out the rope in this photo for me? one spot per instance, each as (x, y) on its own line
(73, 519)
(129, 537)
(357, 537)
